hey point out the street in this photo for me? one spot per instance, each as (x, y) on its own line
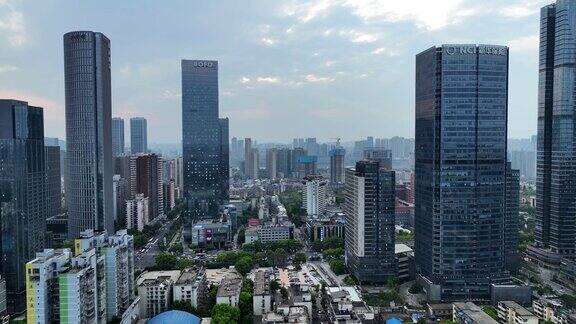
(146, 256)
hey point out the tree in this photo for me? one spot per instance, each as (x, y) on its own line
(299, 258)
(491, 311)
(244, 265)
(177, 248)
(225, 314)
(274, 286)
(279, 257)
(350, 280)
(245, 304)
(284, 292)
(166, 261)
(184, 305)
(241, 236)
(338, 267)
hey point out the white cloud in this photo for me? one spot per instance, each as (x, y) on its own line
(260, 80)
(356, 36)
(426, 14)
(267, 80)
(268, 41)
(12, 26)
(169, 94)
(524, 9)
(329, 63)
(524, 44)
(8, 68)
(314, 79)
(309, 10)
(385, 51)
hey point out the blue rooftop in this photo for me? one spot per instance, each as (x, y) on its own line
(175, 317)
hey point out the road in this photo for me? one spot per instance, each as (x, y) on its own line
(146, 256)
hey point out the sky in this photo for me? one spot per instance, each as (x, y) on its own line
(324, 68)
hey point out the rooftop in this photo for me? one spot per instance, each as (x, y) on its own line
(157, 277)
(520, 310)
(230, 285)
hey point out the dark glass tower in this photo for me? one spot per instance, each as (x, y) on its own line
(117, 136)
(203, 141)
(337, 155)
(138, 135)
(22, 195)
(53, 180)
(370, 218)
(224, 159)
(556, 158)
(88, 132)
(461, 115)
(512, 220)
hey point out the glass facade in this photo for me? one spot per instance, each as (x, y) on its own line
(370, 222)
(88, 178)
(461, 137)
(23, 209)
(556, 167)
(203, 142)
(138, 135)
(117, 137)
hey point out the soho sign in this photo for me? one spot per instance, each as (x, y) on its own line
(203, 64)
(471, 49)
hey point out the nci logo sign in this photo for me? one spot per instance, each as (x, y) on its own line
(473, 49)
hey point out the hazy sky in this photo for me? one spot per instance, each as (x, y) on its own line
(327, 68)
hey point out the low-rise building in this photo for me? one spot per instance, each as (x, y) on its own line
(549, 308)
(405, 262)
(262, 298)
(190, 286)
(440, 311)
(155, 291)
(512, 313)
(271, 232)
(216, 233)
(346, 306)
(470, 313)
(229, 290)
(287, 314)
(319, 229)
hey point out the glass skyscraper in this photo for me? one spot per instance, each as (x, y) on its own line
(556, 158)
(117, 136)
(88, 132)
(23, 208)
(138, 135)
(461, 137)
(204, 138)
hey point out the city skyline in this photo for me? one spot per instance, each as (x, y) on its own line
(362, 64)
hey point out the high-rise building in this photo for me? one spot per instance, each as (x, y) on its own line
(248, 159)
(284, 163)
(461, 134)
(137, 212)
(117, 136)
(3, 305)
(92, 284)
(119, 255)
(53, 181)
(88, 179)
(370, 220)
(203, 141)
(314, 196)
(272, 163)
(382, 156)
(307, 165)
(254, 167)
(179, 175)
(512, 218)
(23, 209)
(297, 153)
(555, 187)
(337, 156)
(146, 178)
(138, 135)
(224, 159)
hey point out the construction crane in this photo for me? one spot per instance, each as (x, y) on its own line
(337, 140)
